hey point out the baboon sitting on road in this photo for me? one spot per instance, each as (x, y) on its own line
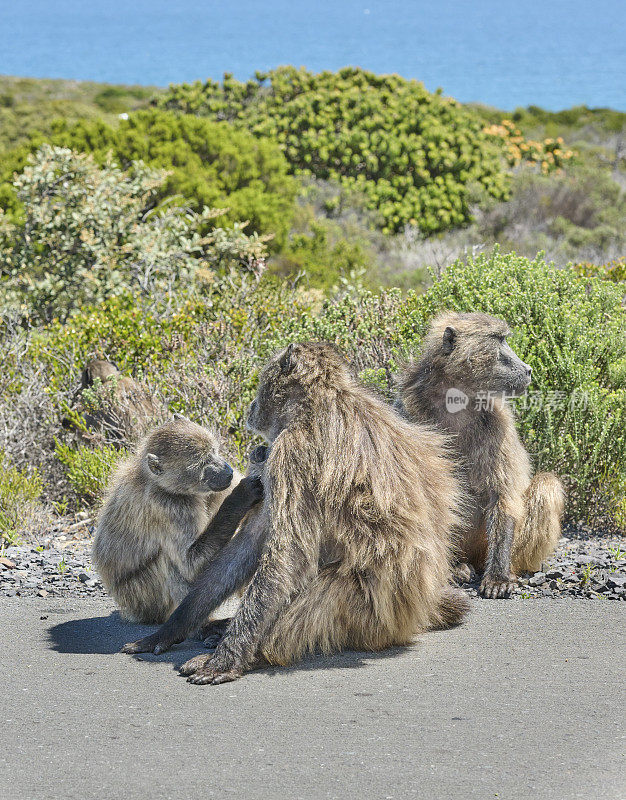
(359, 508)
(460, 382)
(170, 509)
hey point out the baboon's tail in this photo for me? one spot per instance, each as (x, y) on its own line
(539, 532)
(453, 607)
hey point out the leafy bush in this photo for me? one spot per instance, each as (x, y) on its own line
(90, 232)
(88, 469)
(19, 492)
(549, 154)
(414, 155)
(611, 271)
(207, 163)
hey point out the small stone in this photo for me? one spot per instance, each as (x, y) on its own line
(42, 593)
(83, 577)
(583, 559)
(6, 563)
(554, 573)
(616, 580)
(537, 579)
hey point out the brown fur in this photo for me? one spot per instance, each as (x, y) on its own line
(361, 508)
(467, 352)
(115, 408)
(149, 521)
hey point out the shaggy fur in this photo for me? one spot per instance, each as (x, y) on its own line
(361, 508)
(514, 521)
(160, 522)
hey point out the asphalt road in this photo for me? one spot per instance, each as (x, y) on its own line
(525, 701)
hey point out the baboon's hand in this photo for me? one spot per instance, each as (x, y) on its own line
(203, 670)
(155, 643)
(494, 588)
(255, 490)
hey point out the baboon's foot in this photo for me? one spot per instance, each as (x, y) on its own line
(464, 573)
(213, 632)
(155, 643)
(194, 664)
(214, 673)
(494, 588)
(204, 670)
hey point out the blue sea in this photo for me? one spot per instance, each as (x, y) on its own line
(504, 53)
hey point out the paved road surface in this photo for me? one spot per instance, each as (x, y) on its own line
(525, 701)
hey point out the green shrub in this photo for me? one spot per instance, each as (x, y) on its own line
(207, 164)
(19, 492)
(414, 155)
(611, 271)
(88, 469)
(92, 232)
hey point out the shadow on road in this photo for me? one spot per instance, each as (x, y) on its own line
(94, 634)
(106, 635)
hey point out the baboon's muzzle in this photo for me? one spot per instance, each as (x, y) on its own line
(218, 479)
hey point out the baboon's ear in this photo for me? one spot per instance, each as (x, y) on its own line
(449, 339)
(154, 465)
(287, 362)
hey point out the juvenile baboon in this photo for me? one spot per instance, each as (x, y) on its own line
(170, 509)
(461, 381)
(115, 408)
(357, 517)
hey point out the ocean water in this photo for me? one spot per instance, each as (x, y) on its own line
(506, 53)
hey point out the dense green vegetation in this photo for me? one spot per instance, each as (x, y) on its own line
(413, 154)
(209, 164)
(186, 243)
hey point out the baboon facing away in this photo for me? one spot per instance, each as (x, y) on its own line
(358, 513)
(115, 408)
(170, 509)
(461, 381)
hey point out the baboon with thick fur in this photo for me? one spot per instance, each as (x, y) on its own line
(360, 508)
(170, 509)
(465, 372)
(115, 408)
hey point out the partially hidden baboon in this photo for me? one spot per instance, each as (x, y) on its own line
(116, 409)
(357, 521)
(169, 510)
(461, 382)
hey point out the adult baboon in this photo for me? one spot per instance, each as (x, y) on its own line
(358, 514)
(461, 381)
(115, 408)
(170, 509)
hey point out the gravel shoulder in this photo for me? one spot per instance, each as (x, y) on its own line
(523, 701)
(584, 566)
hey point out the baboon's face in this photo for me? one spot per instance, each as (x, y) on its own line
(477, 357)
(301, 371)
(183, 458)
(263, 417)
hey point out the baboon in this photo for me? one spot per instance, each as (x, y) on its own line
(461, 381)
(115, 408)
(170, 509)
(357, 523)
